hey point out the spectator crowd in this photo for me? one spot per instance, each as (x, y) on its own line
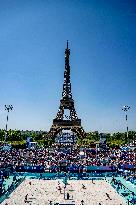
(55, 160)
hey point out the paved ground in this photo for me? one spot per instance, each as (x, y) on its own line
(41, 192)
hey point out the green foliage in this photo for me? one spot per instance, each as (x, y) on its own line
(116, 139)
(18, 144)
(2, 135)
(18, 138)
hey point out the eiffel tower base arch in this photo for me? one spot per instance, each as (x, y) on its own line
(59, 125)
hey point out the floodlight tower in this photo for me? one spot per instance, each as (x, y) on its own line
(7, 108)
(126, 109)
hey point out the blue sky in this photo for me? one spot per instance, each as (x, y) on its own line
(102, 39)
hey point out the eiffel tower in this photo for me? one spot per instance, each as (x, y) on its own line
(63, 122)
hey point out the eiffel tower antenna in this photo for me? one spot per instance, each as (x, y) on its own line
(72, 122)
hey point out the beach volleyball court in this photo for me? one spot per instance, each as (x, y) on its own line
(45, 192)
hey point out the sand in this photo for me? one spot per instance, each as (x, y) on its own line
(41, 192)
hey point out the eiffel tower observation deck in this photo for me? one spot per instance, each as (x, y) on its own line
(62, 121)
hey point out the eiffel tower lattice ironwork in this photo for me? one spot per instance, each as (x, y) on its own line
(63, 122)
